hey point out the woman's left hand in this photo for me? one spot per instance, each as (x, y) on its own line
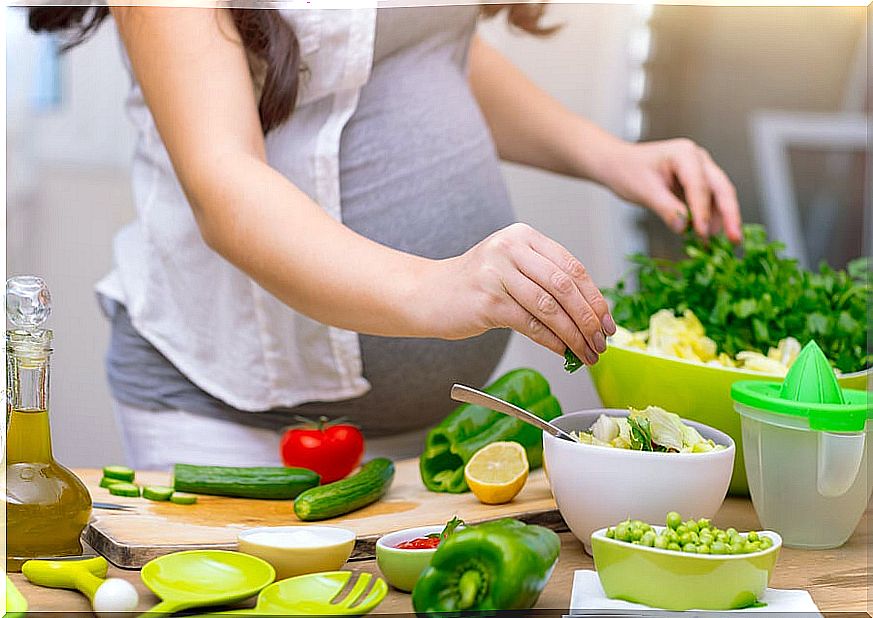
(671, 178)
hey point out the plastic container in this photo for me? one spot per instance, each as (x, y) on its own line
(807, 447)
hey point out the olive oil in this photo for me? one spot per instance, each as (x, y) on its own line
(47, 506)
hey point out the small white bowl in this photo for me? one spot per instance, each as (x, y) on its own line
(598, 486)
(325, 548)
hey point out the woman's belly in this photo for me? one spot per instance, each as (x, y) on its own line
(419, 173)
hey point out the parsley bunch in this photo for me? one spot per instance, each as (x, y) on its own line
(749, 297)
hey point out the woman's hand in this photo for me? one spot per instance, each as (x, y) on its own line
(518, 278)
(671, 178)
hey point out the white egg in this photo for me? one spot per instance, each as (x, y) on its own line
(115, 595)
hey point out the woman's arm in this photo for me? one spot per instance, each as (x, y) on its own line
(532, 128)
(195, 78)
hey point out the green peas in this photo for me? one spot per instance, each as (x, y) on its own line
(622, 533)
(691, 536)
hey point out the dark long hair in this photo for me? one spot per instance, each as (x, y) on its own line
(267, 38)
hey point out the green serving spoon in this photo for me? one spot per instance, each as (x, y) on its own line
(202, 578)
(16, 604)
(87, 575)
(317, 594)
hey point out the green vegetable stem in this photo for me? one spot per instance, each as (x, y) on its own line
(498, 565)
(450, 445)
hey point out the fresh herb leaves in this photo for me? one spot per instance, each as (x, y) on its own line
(749, 298)
(641, 434)
(571, 361)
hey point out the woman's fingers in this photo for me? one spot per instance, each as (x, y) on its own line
(546, 310)
(518, 319)
(688, 167)
(670, 208)
(727, 208)
(564, 291)
(558, 262)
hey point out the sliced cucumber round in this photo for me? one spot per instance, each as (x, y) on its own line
(122, 473)
(128, 490)
(179, 498)
(157, 493)
(107, 482)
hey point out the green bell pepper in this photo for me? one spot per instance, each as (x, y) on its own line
(450, 445)
(497, 565)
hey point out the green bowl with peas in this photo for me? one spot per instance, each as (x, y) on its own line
(688, 565)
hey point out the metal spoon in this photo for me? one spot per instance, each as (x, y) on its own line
(467, 394)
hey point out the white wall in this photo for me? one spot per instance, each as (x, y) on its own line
(69, 193)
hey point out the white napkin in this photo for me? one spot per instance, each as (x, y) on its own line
(589, 599)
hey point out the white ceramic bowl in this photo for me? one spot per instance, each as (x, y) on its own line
(326, 548)
(597, 486)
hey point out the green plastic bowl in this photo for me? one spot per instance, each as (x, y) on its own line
(403, 567)
(630, 377)
(677, 581)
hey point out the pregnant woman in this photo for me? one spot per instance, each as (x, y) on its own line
(322, 226)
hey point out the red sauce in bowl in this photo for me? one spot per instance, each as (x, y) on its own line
(424, 542)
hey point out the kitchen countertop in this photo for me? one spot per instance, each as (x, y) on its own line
(837, 579)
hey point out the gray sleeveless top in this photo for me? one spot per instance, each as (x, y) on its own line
(419, 173)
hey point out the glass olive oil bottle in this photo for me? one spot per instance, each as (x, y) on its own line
(47, 506)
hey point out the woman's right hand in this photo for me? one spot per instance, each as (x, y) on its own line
(518, 278)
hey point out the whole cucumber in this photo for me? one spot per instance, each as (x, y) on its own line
(261, 483)
(347, 495)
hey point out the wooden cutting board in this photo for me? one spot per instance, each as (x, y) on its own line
(129, 539)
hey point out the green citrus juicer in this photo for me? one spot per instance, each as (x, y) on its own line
(202, 578)
(806, 446)
(88, 576)
(318, 594)
(16, 604)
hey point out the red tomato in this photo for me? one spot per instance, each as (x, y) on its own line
(331, 450)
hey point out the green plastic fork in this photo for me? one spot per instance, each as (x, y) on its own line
(317, 594)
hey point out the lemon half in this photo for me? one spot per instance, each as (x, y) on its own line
(497, 472)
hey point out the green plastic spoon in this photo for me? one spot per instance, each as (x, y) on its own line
(87, 575)
(317, 594)
(202, 578)
(16, 604)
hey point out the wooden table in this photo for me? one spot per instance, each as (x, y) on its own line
(838, 579)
